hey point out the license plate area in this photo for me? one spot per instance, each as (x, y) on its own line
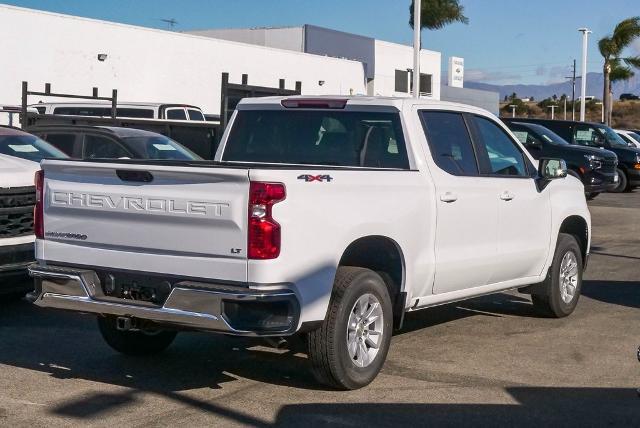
(135, 287)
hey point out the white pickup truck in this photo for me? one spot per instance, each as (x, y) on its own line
(329, 217)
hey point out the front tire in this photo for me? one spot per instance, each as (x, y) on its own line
(623, 183)
(561, 288)
(349, 349)
(134, 342)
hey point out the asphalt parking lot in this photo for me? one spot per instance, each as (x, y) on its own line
(488, 361)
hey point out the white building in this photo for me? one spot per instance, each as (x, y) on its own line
(150, 65)
(147, 65)
(387, 66)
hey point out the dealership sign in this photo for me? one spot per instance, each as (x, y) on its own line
(456, 72)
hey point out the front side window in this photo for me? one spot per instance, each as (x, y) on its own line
(501, 155)
(587, 135)
(195, 115)
(450, 142)
(99, 147)
(318, 137)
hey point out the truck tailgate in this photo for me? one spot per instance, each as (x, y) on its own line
(181, 220)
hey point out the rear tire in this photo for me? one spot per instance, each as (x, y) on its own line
(561, 288)
(136, 342)
(623, 183)
(349, 349)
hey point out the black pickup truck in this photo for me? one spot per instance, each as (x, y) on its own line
(595, 167)
(599, 136)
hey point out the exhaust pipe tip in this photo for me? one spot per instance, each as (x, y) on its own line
(277, 342)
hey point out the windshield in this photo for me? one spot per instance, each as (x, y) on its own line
(159, 147)
(28, 147)
(634, 136)
(318, 137)
(612, 137)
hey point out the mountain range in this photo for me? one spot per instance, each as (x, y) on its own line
(540, 92)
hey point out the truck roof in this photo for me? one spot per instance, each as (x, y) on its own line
(361, 100)
(8, 130)
(116, 130)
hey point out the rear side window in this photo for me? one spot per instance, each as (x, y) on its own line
(318, 137)
(176, 114)
(450, 142)
(63, 142)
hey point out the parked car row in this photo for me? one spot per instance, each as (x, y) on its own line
(588, 148)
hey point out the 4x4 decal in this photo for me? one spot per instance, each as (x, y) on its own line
(309, 178)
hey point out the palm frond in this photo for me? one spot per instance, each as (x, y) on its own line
(436, 14)
(632, 61)
(620, 73)
(625, 32)
(606, 46)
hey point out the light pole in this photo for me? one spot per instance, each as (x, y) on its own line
(585, 39)
(601, 111)
(553, 111)
(513, 109)
(416, 47)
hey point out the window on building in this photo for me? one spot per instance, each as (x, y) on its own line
(402, 81)
(425, 83)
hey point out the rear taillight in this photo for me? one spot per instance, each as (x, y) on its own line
(38, 209)
(264, 231)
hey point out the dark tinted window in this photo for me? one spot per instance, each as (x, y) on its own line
(64, 142)
(318, 137)
(83, 111)
(159, 147)
(402, 81)
(450, 143)
(28, 147)
(195, 114)
(142, 113)
(502, 154)
(176, 114)
(425, 83)
(98, 147)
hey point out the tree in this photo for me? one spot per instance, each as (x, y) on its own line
(436, 14)
(513, 96)
(611, 48)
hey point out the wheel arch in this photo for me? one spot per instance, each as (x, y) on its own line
(384, 256)
(577, 226)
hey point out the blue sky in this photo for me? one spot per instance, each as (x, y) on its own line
(506, 41)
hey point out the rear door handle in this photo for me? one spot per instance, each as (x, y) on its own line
(507, 196)
(448, 197)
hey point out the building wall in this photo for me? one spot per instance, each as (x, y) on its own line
(483, 99)
(150, 65)
(289, 38)
(392, 56)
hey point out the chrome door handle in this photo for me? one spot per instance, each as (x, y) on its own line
(448, 197)
(507, 196)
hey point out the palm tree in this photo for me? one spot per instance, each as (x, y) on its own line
(616, 66)
(436, 14)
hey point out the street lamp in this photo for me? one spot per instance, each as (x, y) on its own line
(416, 47)
(601, 111)
(585, 39)
(513, 109)
(553, 110)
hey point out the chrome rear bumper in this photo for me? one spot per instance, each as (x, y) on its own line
(193, 305)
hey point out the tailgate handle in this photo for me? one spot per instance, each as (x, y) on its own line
(136, 176)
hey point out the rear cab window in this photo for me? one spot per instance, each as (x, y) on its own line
(346, 138)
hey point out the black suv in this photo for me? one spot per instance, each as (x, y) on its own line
(596, 168)
(597, 135)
